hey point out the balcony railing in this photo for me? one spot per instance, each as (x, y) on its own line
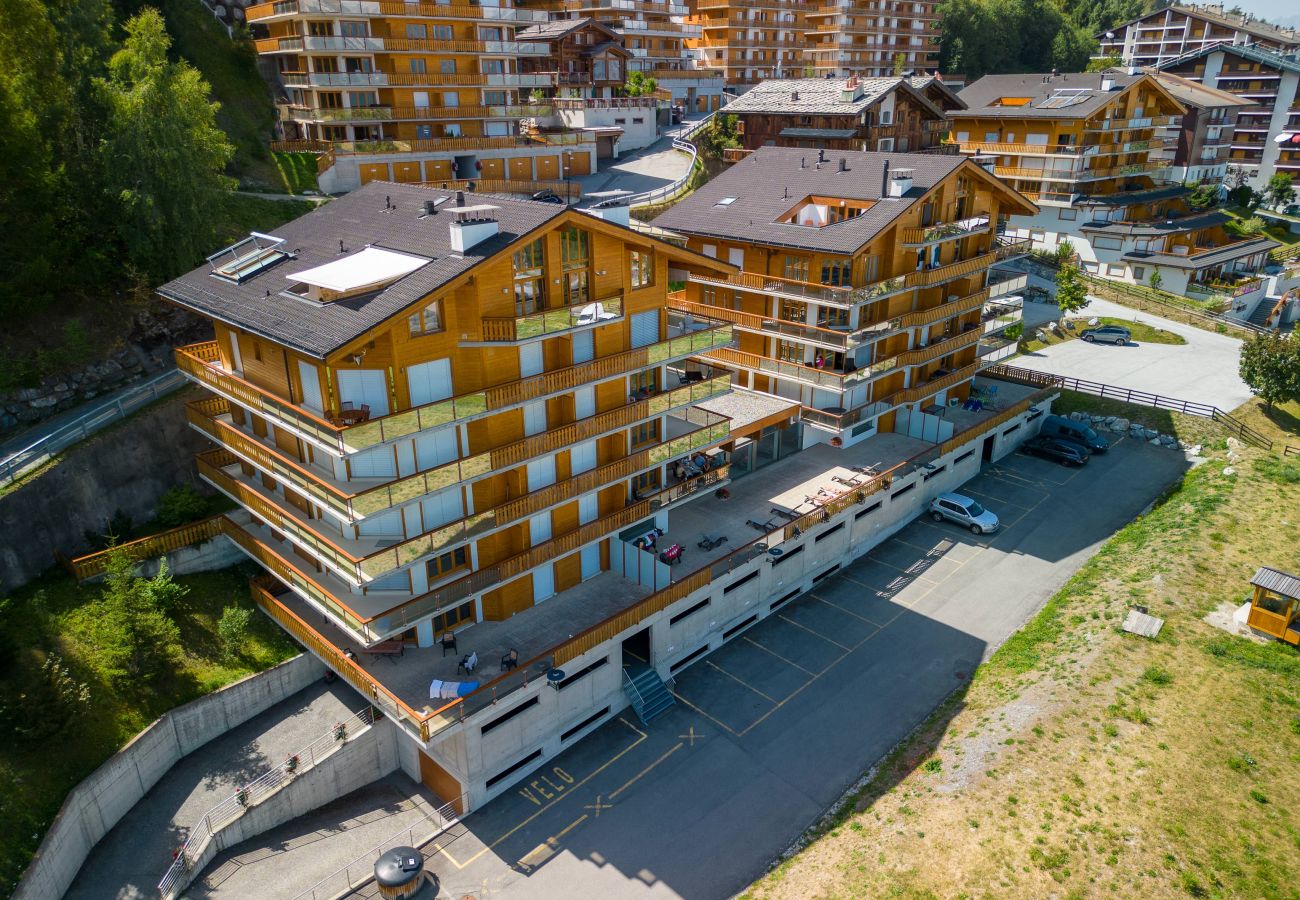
(922, 355)
(948, 231)
(944, 310)
(402, 113)
(551, 321)
(960, 269)
(835, 339)
(359, 569)
(200, 361)
(1004, 149)
(933, 386)
(830, 295)
(368, 501)
(387, 8)
(1004, 286)
(999, 315)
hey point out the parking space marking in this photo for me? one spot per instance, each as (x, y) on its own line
(987, 497)
(881, 562)
(639, 775)
(844, 609)
(779, 656)
(740, 681)
(814, 634)
(943, 527)
(641, 736)
(720, 724)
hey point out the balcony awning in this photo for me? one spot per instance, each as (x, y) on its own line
(828, 133)
(370, 267)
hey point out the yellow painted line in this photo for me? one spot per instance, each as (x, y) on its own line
(639, 775)
(738, 680)
(572, 825)
(788, 662)
(572, 789)
(847, 612)
(813, 633)
(717, 722)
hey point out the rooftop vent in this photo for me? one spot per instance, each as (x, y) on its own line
(794, 96)
(1107, 84)
(472, 224)
(852, 90)
(844, 164)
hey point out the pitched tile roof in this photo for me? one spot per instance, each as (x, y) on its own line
(1257, 28)
(354, 221)
(556, 29)
(1073, 95)
(769, 183)
(1194, 94)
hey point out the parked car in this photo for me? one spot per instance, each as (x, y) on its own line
(963, 511)
(1107, 334)
(548, 196)
(1075, 432)
(1067, 453)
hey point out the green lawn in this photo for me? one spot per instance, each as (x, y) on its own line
(244, 213)
(37, 771)
(297, 171)
(1142, 334)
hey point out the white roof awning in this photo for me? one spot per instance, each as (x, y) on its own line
(371, 266)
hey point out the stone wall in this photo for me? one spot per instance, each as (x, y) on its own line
(99, 802)
(127, 467)
(148, 352)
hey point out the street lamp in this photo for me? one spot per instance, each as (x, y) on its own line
(568, 193)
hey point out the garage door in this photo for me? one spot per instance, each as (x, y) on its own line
(365, 387)
(429, 381)
(645, 328)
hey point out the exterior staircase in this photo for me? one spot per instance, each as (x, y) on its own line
(1259, 316)
(649, 695)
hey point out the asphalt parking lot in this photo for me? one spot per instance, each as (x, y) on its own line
(772, 727)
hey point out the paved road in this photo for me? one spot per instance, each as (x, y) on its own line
(773, 727)
(1204, 369)
(130, 859)
(641, 170)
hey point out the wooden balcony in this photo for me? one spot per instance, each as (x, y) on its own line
(831, 338)
(413, 113)
(933, 386)
(550, 321)
(202, 363)
(940, 274)
(944, 310)
(1005, 149)
(361, 564)
(922, 355)
(351, 502)
(752, 282)
(947, 231)
(368, 8)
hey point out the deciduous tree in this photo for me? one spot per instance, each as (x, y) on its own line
(1270, 366)
(1071, 294)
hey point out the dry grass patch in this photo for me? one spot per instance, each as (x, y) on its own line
(1083, 761)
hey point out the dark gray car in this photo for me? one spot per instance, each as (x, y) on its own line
(1107, 334)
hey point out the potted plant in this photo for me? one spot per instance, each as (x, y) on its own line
(291, 764)
(340, 731)
(242, 796)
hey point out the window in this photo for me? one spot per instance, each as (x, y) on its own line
(492, 66)
(645, 433)
(427, 320)
(1069, 215)
(577, 289)
(796, 268)
(530, 278)
(257, 351)
(830, 317)
(575, 248)
(886, 116)
(446, 563)
(837, 271)
(793, 311)
(1107, 243)
(442, 32)
(417, 67)
(352, 29)
(489, 33)
(645, 383)
(643, 268)
(645, 484)
(447, 66)
(416, 32)
(494, 98)
(789, 351)
(451, 618)
(424, 132)
(1139, 272)
(885, 145)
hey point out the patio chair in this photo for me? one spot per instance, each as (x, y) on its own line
(510, 661)
(448, 642)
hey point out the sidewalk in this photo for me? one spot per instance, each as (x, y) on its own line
(286, 861)
(131, 858)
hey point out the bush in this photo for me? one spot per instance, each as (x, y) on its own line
(232, 629)
(180, 505)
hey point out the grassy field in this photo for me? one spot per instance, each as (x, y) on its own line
(1082, 761)
(1192, 429)
(36, 771)
(1141, 331)
(297, 171)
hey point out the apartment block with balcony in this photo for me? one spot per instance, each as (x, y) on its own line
(654, 32)
(1082, 146)
(1196, 146)
(414, 92)
(1164, 34)
(590, 65)
(436, 417)
(749, 41)
(881, 114)
(863, 293)
(872, 38)
(1270, 81)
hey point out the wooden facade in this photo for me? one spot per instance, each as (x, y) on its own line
(910, 126)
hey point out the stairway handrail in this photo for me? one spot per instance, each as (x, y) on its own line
(635, 689)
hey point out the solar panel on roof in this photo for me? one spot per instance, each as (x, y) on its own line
(1064, 97)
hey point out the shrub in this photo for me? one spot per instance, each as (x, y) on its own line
(232, 629)
(180, 505)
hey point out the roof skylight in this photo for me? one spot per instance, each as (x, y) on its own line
(725, 201)
(244, 259)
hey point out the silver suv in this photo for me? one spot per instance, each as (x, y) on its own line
(1108, 334)
(964, 511)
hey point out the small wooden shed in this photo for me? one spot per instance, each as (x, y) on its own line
(1275, 605)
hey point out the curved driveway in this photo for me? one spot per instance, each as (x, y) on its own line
(1203, 370)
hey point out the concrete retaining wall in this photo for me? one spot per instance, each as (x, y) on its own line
(127, 467)
(99, 802)
(364, 758)
(218, 553)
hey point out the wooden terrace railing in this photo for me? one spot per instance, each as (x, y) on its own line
(936, 350)
(940, 274)
(944, 310)
(550, 321)
(92, 565)
(201, 362)
(947, 231)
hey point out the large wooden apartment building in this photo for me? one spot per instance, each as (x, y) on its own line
(1175, 30)
(864, 292)
(414, 92)
(882, 114)
(1083, 147)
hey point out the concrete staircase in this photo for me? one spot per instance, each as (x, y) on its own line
(1259, 316)
(649, 695)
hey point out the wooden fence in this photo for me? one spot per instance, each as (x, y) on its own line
(151, 547)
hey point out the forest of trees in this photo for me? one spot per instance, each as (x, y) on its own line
(995, 36)
(111, 161)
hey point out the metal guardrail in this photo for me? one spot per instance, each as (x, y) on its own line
(1136, 397)
(682, 142)
(121, 406)
(249, 795)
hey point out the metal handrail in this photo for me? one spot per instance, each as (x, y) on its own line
(249, 795)
(681, 142)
